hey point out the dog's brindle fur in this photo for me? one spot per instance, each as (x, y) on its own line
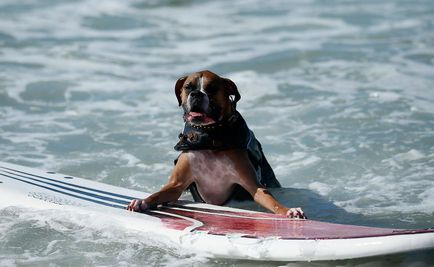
(216, 173)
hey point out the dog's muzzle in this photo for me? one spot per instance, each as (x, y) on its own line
(197, 102)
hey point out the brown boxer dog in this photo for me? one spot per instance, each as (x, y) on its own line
(220, 157)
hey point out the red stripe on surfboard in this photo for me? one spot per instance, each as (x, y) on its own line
(182, 205)
(172, 222)
(219, 223)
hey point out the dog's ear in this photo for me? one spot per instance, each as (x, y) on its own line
(178, 88)
(232, 90)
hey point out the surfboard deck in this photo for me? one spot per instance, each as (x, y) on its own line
(219, 231)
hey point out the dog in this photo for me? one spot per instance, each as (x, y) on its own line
(220, 157)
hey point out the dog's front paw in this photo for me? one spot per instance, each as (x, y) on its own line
(138, 205)
(296, 213)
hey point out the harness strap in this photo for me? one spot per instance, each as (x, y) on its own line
(232, 133)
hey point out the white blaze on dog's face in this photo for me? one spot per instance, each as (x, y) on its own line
(200, 85)
(205, 97)
(205, 103)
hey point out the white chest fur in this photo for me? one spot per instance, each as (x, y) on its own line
(214, 173)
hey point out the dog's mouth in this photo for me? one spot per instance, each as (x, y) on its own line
(199, 118)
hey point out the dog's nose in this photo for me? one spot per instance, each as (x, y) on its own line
(196, 93)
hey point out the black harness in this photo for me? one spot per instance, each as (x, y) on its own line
(232, 133)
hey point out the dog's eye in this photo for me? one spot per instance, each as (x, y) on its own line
(189, 87)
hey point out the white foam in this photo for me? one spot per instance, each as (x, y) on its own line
(410, 155)
(8, 262)
(84, 236)
(322, 188)
(427, 197)
(385, 96)
(296, 161)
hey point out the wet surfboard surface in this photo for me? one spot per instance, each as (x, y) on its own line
(219, 231)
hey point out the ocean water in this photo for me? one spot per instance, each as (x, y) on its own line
(340, 93)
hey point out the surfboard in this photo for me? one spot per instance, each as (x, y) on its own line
(218, 231)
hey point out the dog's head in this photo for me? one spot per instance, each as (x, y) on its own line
(206, 97)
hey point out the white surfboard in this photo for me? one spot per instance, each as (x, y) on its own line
(219, 231)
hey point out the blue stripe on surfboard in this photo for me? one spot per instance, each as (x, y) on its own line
(150, 212)
(117, 201)
(65, 193)
(82, 187)
(70, 184)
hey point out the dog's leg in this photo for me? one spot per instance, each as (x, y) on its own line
(247, 179)
(179, 181)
